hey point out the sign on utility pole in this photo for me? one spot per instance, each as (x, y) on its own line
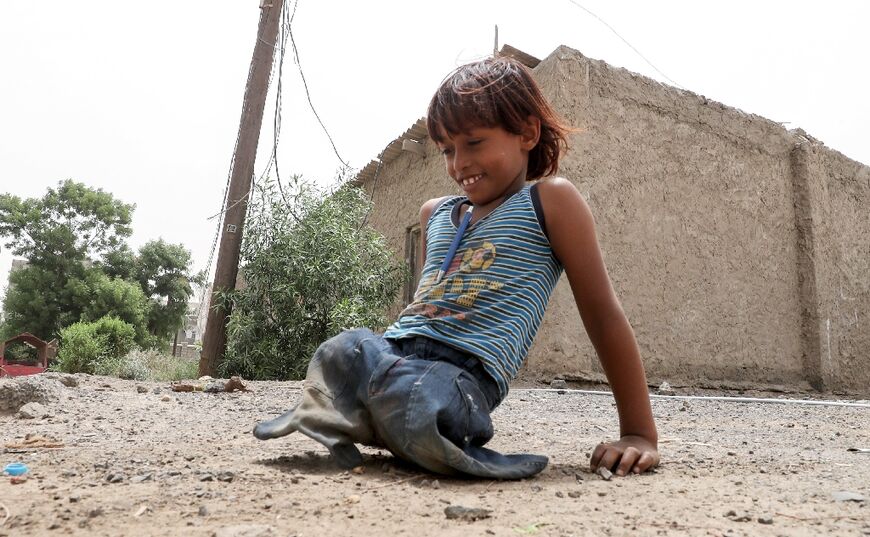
(215, 338)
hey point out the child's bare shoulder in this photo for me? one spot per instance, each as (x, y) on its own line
(427, 208)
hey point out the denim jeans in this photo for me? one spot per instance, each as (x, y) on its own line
(427, 403)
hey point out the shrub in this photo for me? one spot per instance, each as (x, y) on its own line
(80, 349)
(311, 268)
(91, 347)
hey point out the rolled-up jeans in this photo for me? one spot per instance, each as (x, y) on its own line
(426, 402)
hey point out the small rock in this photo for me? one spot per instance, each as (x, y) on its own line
(665, 389)
(559, 494)
(469, 514)
(766, 519)
(166, 398)
(94, 513)
(203, 510)
(359, 470)
(574, 494)
(226, 476)
(604, 473)
(157, 390)
(32, 411)
(141, 389)
(436, 484)
(141, 478)
(354, 498)
(206, 477)
(558, 384)
(235, 383)
(205, 378)
(215, 386)
(115, 477)
(847, 496)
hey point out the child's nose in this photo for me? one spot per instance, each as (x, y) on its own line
(460, 160)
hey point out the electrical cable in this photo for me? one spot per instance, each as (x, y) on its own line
(602, 21)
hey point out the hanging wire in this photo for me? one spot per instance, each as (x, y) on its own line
(602, 21)
(305, 85)
(374, 187)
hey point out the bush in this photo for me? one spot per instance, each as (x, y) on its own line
(149, 365)
(90, 347)
(311, 268)
(80, 349)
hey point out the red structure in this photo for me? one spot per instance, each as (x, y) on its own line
(44, 353)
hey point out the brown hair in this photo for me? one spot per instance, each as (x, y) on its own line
(498, 92)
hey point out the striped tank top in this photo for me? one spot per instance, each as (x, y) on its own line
(492, 299)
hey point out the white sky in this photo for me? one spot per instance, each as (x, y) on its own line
(142, 99)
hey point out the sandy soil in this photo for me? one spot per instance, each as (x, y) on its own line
(136, 462)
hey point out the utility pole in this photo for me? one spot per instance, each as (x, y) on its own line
(215, 338)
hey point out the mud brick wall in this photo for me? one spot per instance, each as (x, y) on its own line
(740, 250)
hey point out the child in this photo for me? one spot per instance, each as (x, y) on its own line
(492, 257)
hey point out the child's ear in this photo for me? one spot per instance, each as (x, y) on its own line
(531, 133)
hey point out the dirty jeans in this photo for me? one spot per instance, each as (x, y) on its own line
(415, 397)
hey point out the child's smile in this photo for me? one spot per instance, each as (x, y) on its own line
(489, 163)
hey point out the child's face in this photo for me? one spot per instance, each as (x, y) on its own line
(489, 163)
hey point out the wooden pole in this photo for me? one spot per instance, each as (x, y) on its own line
(215, 337)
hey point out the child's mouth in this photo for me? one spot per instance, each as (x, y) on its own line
(468, 181)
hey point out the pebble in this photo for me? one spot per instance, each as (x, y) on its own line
(141, 389)
(215, 386)
(32, 411)
(604, 473)
(115, 477)
(166, 397)
(665, 389)
(847, 496)
(574, 494)
(558, 384)
(141, 478)
(469, 514)
(203, 510)
(766, 519)
(226, 476)
(436, 484)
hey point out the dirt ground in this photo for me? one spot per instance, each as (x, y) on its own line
(135, 458)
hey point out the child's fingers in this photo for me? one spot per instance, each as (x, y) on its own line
(646, 461)
(597, 453)
(605, 455)
(630, 456)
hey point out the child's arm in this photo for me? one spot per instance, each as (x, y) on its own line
(571, 230)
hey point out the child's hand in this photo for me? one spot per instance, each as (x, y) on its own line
(630, 453)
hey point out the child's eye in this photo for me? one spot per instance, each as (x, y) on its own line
(446, 150)
(474, 141)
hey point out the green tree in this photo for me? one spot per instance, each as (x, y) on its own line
(60, 235)
(311, 269)
(70, 224)
(163, 272)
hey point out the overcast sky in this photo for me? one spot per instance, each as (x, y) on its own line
(143, 99)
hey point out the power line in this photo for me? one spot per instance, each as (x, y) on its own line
(602, 21)
(305, 84)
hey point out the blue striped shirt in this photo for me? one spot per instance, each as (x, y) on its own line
(492, 299)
